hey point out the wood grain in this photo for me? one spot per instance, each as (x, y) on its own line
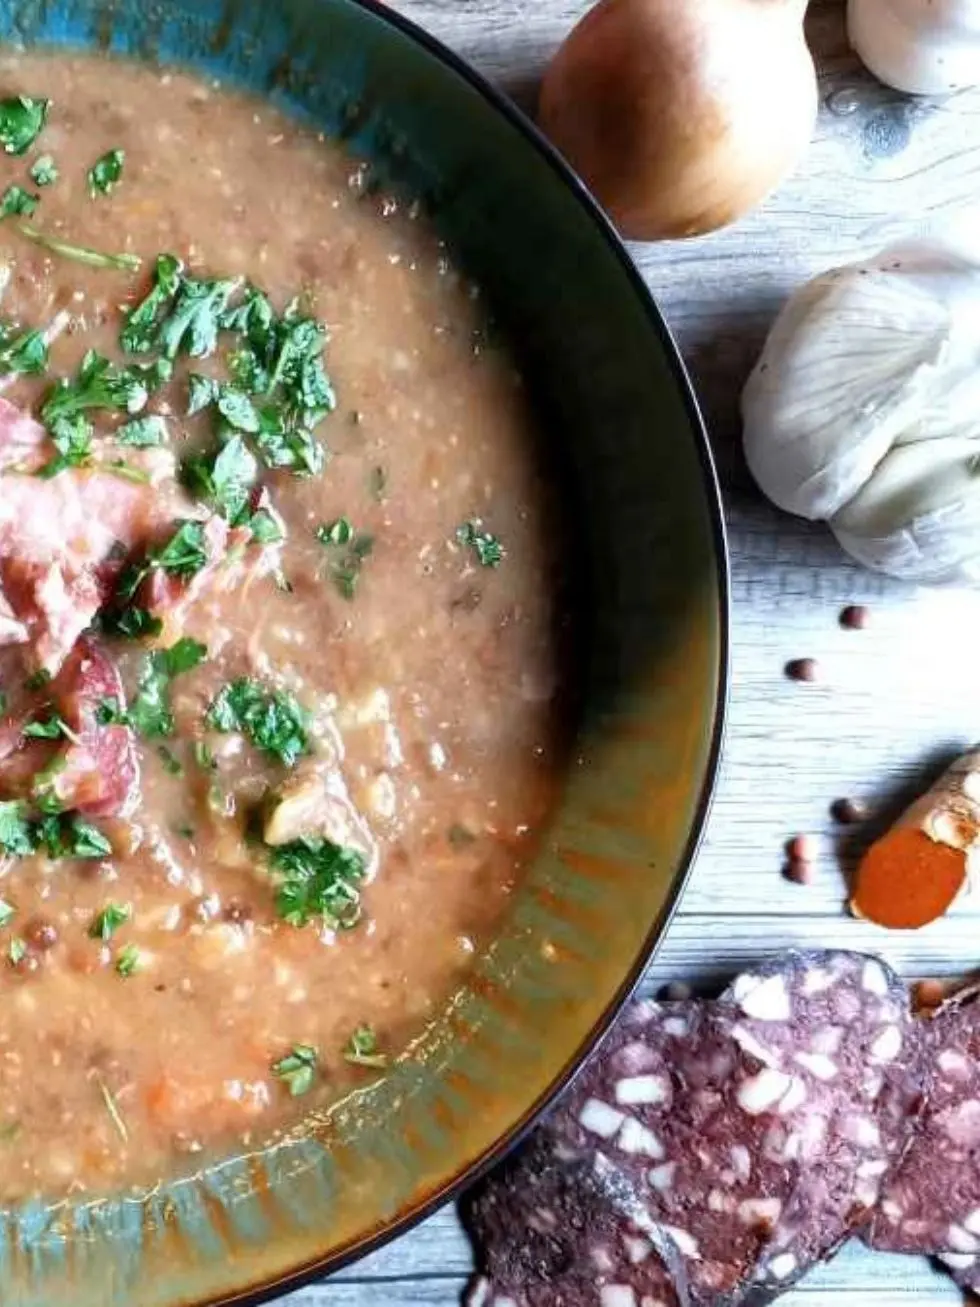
(891, 704)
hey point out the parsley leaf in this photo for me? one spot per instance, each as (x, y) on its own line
(202, 391)
(185, 552)
(98, 384)
(108, 921)
(150, 712)
(271, 719)
(128, 960)
(72, 438)
(193, 323)
(86, 841)
(237, 409)
(15, 830)
(349, 549)
(318, 878)
(105, 173)
(21, 120)
(16, 202)
(487, 547)
(80, 253)
(142, 433)
(130, 623)
(297, 1070)
(225, 479)
(16, 951)
(7, 913)
(44, 170)
(26, 353)
(362, 1049)
(52, 727)
(142, 321)
(264, 527)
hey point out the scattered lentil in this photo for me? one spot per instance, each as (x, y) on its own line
(928, 994)
(799, 871)
(855, 617)
(676, 992)
(847, 812)
(802, 669)
(802, 848)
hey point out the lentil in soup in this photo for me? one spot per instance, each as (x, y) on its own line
(280, 712)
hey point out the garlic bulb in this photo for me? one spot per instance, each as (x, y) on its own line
(864, 409)
(926, 47)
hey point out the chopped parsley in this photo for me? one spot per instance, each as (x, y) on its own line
(298, 1069)
(130, 623)
(487, 547)
(38, 680)
(143, 433)
(317, 878)
(270, 719)
(192, 325)
(44, 170)
(80, 253)
(348, 550)
(171, 763)
(7, 913)
(128, 960)
(59, 836)
(183, 555)
(52, 727)
(203, 756)
(26, 353)
(109, 920)
(16, 951)
(362, 1049)
(16, 837)
(264, 527)
(72, 439)
(98, 384)
(225, 478)
(142, 322)
(22, 118)
(150, 712)
(104, 174)
(18, 203)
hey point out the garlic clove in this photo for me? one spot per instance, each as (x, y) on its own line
(918, 517)
(842, 375)
(924, 47)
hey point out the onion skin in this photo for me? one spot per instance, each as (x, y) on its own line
(682, 115)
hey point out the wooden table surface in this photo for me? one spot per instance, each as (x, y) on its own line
(892, 702)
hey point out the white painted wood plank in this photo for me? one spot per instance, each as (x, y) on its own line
(893, 700)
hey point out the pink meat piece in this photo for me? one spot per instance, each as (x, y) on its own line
(22, 440)
(97, 772)
(61, 541)
(100, 775)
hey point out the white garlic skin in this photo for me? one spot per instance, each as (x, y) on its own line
(864, 409)
(923, 47)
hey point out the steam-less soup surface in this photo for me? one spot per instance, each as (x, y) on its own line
(279, 715)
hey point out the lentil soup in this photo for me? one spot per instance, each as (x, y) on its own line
(278, 656)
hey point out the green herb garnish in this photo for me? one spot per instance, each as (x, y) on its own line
(7, 913)
(171, 763)
(318, 878)
(15, 202)
(128, 960)
(83, 840)
(44, 170)
(104, 174)
(264, 527)
(52, 727)
(192, 325)
(80, 253)
(349, 549)
(21, 119)
(142, 322)
(183, 555)
(98, 384)
(16, 951)
(72, 439)
(225, 478)
(26, 354)
(130, 623)
(16, 837)
(109, 920)
(38, 680)
(150, 712)
(297, 1070)
(143, 433)
(362, 1049)
(487, 547)
(271, 719)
